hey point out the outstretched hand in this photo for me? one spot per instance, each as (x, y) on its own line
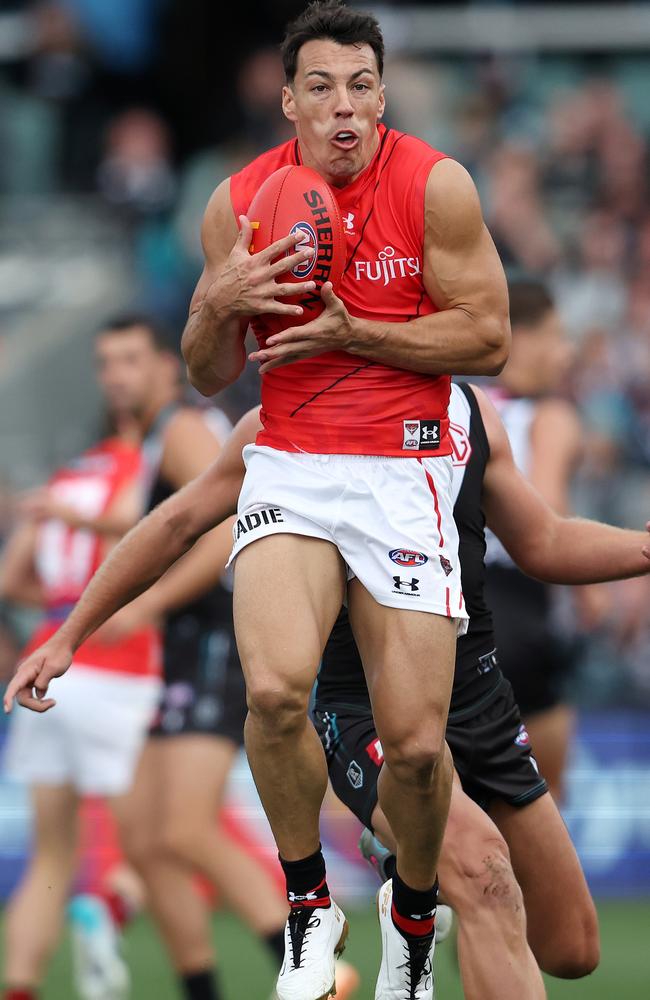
(331, 331)
(31, 681)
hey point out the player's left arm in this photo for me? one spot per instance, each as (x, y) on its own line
(543, 543)
(463, 276)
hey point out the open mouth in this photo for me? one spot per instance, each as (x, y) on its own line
(345, 139)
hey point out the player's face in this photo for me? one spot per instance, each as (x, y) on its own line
(128, 367)
(335, 102)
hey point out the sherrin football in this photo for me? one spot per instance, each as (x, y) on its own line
(296, 199)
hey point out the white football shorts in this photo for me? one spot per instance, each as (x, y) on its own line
(91, 739)
(390, 518)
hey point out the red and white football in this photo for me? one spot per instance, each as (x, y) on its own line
(297, 199)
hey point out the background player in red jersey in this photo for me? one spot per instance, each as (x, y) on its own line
(375, 364)
(93, 746)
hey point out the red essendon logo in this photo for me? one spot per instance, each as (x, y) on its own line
(411, 428)
(406, 557)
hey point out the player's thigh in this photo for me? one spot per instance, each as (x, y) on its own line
(561, 914)
(408, 658)
(474, 867)
(195, 768)
(55, 811)
(288, 591)
(551, 732)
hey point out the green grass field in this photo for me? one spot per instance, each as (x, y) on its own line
(248, 973)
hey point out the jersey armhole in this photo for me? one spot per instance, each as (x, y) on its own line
(477, 425)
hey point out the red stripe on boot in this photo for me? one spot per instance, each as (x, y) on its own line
(416, 928)
(19, 995)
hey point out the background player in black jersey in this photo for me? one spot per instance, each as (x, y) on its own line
(492, 750)
(535, 652)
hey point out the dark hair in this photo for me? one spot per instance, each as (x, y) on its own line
(331, 19)
(530, 301)
(161, 336)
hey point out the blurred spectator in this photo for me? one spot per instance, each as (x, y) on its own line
(136, 171)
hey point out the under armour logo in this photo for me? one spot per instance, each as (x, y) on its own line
(411, 585)
(348, 222)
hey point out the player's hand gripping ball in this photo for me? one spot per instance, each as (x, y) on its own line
(296, 199)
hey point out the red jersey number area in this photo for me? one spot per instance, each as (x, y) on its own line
(67, 558)
(337, 403)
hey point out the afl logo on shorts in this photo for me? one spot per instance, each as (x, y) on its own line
(405, 557)
(308, 240)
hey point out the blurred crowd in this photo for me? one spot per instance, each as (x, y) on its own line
(112, 101)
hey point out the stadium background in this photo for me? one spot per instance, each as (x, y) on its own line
(117, 119)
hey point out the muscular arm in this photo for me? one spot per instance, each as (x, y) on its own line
(213, 339)
(543, 543)
(19, 582)
(464, 278)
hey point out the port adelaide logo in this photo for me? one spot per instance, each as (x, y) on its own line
(308, 239)
(407, 557)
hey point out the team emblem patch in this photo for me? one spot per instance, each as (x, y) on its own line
(421, 435)
(355, 775)
(446, 565)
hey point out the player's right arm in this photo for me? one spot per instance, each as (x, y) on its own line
(234, 286)
(140, 559)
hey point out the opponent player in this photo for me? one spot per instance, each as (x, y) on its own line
(352, 462)
(92, 746)
(545, 435)
(476, 867)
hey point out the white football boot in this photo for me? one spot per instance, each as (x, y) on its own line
(378, 856)
(406, 971)
(100, 971)
(314, 937)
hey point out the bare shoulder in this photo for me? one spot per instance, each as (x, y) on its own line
(219, 228)
(452, 205)
(185, 424)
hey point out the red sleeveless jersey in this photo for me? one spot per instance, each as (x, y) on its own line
(66, 557)
(338, 403)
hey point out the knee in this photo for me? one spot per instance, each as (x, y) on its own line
(481, 883)
(414, 757)
(277, 705)
(577, 954)
(177, 841)
(137, 846)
